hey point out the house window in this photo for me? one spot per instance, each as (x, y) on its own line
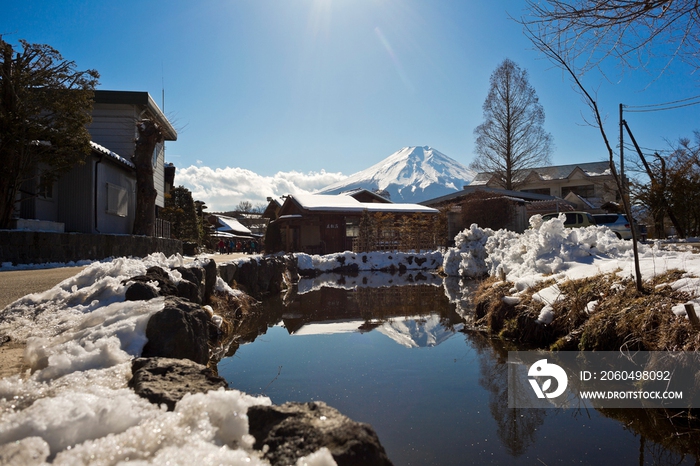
(585, 191)
(352, 227)
(44, 189)
(117, 200)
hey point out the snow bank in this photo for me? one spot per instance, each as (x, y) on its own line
(75, 407)
(548, 250)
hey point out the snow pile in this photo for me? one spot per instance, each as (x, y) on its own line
(548, 250)
(544, 249)
(370, 261)
(468, 258)
(75, 407)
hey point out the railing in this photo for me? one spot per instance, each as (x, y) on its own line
(162, 228)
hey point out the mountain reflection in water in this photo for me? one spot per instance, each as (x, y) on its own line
(403, 359)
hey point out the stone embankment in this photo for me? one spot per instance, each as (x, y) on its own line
(194, 328)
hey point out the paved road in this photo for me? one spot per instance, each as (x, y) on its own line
(17, 283)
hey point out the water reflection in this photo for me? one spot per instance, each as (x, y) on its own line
(404, 360)
(517, 428)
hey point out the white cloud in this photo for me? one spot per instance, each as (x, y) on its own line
(223, 188)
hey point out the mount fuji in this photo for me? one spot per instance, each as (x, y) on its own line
(412, 174)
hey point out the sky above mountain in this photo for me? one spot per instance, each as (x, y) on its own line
(307, 88)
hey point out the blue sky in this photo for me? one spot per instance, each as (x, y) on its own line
(332, 86)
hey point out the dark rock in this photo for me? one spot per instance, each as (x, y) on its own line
(189, 291)
(210, 274)
(294, 430)
(191, 274)
(248, 277)
(156, 274)
(140, 291)
(165, 380)
(180, 330)
(191, 286)
(227, 272)
(271, 273)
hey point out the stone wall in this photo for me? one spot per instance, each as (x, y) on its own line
(27, 247)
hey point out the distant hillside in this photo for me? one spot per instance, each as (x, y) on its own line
(412, 174)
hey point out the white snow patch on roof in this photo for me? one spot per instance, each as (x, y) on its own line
(114, 155)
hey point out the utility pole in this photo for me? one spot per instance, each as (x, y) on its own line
(622, 156)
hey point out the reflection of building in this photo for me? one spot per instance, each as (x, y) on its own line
(323, 224)
(389, 309)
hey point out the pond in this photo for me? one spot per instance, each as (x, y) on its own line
(402, 359)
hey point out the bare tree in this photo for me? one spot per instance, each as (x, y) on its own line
(512, 137)
(149, 135)
(245, 207)
(633, 32)
(592, 103)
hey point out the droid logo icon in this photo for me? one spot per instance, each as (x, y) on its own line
(541, 370)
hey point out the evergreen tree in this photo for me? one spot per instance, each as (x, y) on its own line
(181, 212)
(45, 105)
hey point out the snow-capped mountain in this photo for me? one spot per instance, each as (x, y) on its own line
(412, 174)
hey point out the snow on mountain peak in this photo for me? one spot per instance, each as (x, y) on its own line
(411, 174)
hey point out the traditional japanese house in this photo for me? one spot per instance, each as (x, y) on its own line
(323, 224)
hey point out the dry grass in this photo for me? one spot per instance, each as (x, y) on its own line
(623, 318)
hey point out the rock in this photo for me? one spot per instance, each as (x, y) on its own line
(227, 272)
(293, 430)
(166, 380)
(210, 274)
(156, 274)
(247, 277)
(195, 276)
(189, 291)
(140, 291)
(180, 330)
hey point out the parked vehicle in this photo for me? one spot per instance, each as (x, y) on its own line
(573, 219)
(618, 223)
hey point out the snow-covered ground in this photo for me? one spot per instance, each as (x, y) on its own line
(75, 408)
(548, 250)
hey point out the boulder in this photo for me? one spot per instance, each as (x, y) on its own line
(180, 330)
(247, 277)
(210, 274)
(166, 380)
(293, 430)
(195, 276)
(140, 291)
(227, 272)
(156, 274)
(189, 291)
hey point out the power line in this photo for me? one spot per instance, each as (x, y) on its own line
(663, 106)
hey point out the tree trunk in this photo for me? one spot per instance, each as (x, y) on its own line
(149, 136)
